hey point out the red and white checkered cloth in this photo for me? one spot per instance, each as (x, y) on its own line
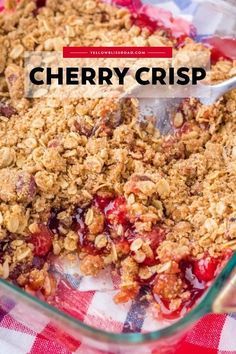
(214, 334)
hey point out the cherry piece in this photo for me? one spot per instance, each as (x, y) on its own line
(42, 240)
(116, 212)
(102, 202)
(144, 21)
(205, 268)
(221, 48)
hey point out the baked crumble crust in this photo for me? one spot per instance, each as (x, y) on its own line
(57, 157)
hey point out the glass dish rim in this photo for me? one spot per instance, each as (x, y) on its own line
(203, 307)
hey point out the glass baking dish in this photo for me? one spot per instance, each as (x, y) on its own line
(36, 314)
(220, 296)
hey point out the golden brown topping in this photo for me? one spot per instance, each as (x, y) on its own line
(94, 219)
(91, 265)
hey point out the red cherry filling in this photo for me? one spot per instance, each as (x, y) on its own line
(205, 268)
(221, 48)
(116, 212)
(131, 4)
(154, 238)
(195, 275)
(189, 278)
(153, 18)
(181, 40)
(144, 21)
(42, 240)
(102, 202)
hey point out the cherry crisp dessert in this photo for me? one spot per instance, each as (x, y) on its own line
(85, 179)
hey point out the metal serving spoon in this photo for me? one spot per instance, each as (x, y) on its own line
(165, 108)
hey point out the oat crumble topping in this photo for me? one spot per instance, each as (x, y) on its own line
(86, 176)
